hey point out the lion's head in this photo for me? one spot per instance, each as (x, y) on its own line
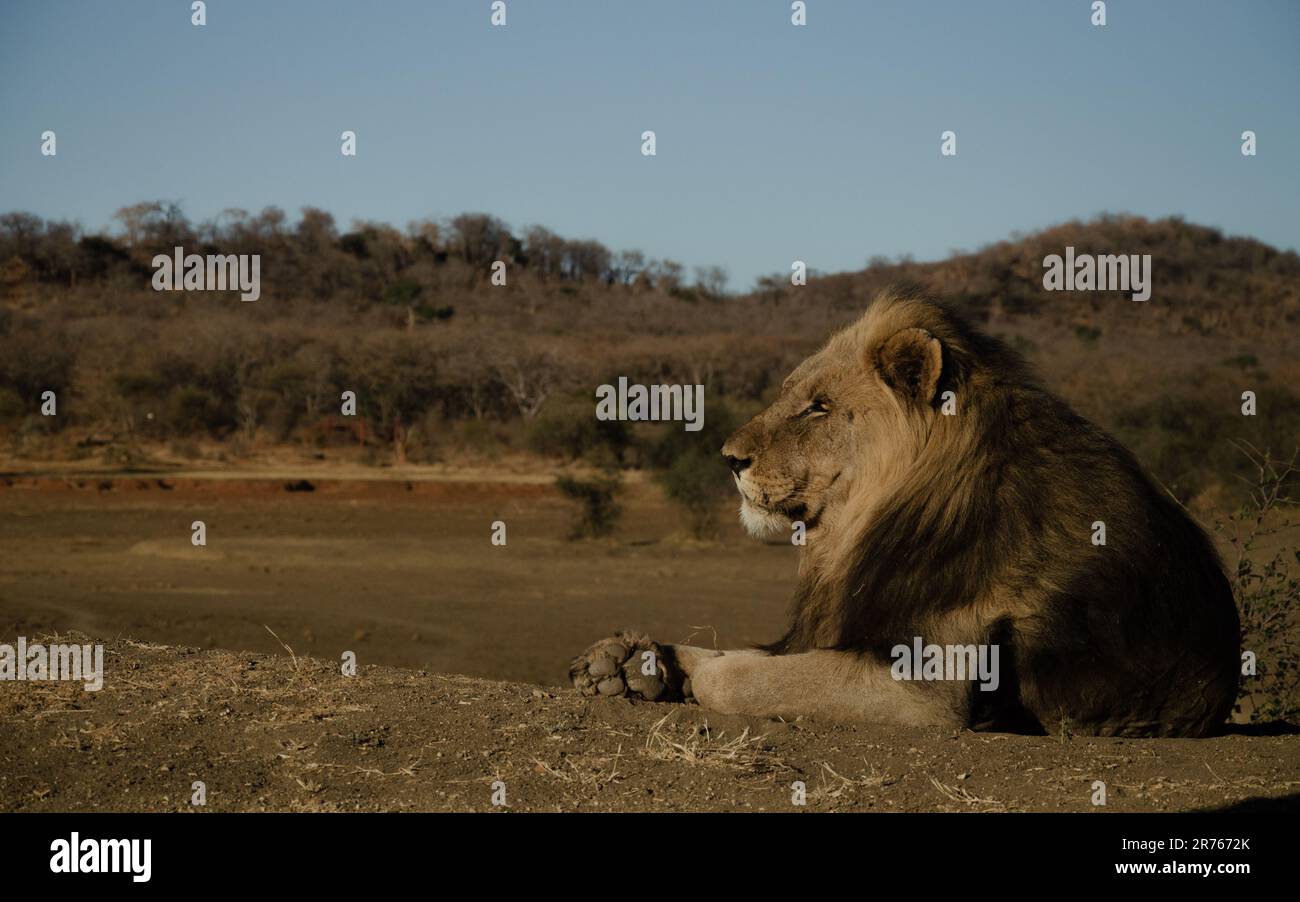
(851, 419)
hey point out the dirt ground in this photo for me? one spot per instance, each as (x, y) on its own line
(402, 572)
(273, 733)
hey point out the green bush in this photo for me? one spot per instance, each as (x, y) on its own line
(402, 292)
(1087, 334)
(1186, 440)
(598, 512)
(191, 409)
(698, 482)
(568, 428)
(720, 420)
(693, 474)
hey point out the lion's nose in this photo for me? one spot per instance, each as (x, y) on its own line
(737, 464)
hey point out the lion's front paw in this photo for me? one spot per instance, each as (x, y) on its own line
(628, 664)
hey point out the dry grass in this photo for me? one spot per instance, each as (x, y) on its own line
(292, 656)
(700, 745)
(266, 738)
(835, 785)
(963, 796)
(593, 771)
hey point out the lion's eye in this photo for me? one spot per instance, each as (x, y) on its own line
(818, 405)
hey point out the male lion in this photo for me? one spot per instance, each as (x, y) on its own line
(947, 496)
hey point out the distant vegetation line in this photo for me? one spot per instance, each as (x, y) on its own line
(445, 363)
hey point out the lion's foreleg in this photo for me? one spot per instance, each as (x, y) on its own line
(824, 684)
(689, 658)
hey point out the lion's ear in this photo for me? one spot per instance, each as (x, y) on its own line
(910, 362)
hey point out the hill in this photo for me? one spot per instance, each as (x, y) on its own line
(446, 365)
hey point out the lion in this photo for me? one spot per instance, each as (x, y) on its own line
(948, 499)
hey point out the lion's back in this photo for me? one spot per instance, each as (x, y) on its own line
(1140, 634)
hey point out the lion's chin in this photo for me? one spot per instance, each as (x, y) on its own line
(759, 522)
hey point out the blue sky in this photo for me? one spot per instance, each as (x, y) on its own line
(775, 143)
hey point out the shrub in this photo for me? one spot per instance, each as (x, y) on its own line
(1180, 435)
(394, 377)
(694, 476)
(1087, 334)
(568, 428)
(598, 512)
(1267, 594)
(697, 482)
(1242, 361)
(720, 420)
(35, 359)
(192, 409)
(12, 405)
